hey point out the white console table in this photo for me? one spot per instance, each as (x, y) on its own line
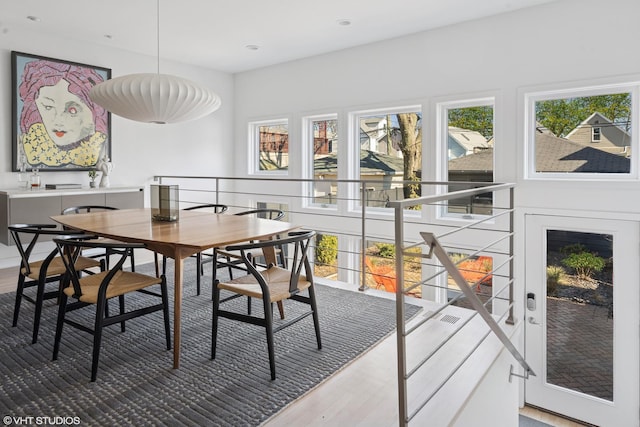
(26, 206)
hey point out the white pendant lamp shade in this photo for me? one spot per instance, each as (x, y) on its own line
(155, 98)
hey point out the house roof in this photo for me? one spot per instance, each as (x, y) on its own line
(553, 154)
(481, 161)
(469, 139)
(370, 163)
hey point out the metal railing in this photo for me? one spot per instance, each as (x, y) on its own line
(476, 219)
(347, 217)
(436, 250)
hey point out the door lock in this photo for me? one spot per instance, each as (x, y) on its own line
(531, 301)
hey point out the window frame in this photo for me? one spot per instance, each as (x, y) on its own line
(253, 133)
(353, 151)
(442, 146)
(529, 123)
(308, 171)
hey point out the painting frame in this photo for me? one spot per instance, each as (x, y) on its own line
(82, 127)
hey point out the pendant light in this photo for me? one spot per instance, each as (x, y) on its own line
(155, 98)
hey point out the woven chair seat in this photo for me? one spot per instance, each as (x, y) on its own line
(57, 267)
(122, 283)
(277, 279)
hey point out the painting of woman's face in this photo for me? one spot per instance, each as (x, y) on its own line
(56, 124)
(66, 118)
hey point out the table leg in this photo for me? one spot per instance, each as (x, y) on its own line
(177, 308)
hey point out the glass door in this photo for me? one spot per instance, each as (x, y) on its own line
(582, 318)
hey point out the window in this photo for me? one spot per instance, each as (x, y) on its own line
(321, 143)
(466, 141)
(580, 268)
(563, 125)
(270, 140)
(595, 134)
(389, 151)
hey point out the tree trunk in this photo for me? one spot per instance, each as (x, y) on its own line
(411, 148)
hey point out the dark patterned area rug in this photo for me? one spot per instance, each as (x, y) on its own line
(136, 383)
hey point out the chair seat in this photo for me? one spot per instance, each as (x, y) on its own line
(277, 279)
(122, 283)
(57, 267)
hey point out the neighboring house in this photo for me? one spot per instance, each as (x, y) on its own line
(374, 137)
(373, 166)
(462, 142)
(276, 141)
(474, 167)
(553, 154)
(599, 132)
(324, 140)
(274, 148)
(384, 172)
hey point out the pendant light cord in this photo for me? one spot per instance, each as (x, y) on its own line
(158, 34)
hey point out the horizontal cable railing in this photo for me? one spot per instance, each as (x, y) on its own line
(432, 247)
(349, 216)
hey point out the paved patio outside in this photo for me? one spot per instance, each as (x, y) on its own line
(580, 347)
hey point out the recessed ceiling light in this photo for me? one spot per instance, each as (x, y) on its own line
(33, 18)
(344, 22)
(252, 47)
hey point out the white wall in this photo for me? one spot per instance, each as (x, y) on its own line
(139, 150)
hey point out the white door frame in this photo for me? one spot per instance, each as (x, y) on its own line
(625, 407)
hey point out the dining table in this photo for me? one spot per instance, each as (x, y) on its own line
(193, 232)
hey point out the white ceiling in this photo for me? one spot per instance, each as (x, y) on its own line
(214, 33)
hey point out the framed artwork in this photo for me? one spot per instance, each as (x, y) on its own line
(56, 126)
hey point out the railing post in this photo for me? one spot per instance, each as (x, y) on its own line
(363, 242)
(217, 190)
(403, 411)
(510, 320)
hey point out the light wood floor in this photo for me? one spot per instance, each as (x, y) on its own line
(344, 398)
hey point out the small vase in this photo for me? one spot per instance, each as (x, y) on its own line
(92, 184)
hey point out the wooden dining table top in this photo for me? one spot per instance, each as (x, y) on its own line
(194, 231)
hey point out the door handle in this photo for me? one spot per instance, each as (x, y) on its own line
(533, 321)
